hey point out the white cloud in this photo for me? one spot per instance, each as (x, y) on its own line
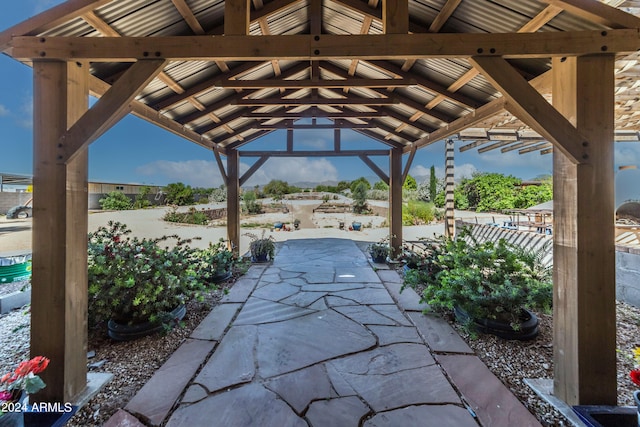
(627, 153)
(293, 170)
(4, 111)
(465, 170)
(203, 173)
(25, 118)
(315, 143)
(197, 173)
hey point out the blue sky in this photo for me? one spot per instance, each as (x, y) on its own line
(135, 151)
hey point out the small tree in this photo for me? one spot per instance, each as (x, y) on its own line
(381, 185)
(360, 198)
(141, 201)
(361, 180)
(115, 201)
(433, 184)
(410, 183)
(179, 194)
(251, 204)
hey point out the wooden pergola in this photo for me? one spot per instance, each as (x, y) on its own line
(406, 73)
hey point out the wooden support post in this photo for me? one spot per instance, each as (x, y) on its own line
(60, 204)
(233, 200)
(395, 201)
(337, 140)
(289, 140)
(583, 251)
(449, 205)
(236, 17)
(395, 16)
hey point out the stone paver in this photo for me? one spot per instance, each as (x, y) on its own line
(122, 419)
(439, 334)
(316, 339)
(213, 326)
(492, 402)
(157, 396)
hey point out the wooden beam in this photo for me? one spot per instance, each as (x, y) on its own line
(305, 84)
(443, 16)
(321, 153)
(473, 144)
(50, 18)
(109, 109)
(541, 19)
(395, 202)
(60, 202)
(597, 12)
(483, 113)
(326, 47)
(584, 275)
(263, 102)
(336, 125)
(529, 106)
(290, 140)
(236, 17)
(253, 169)
(202, 86)
(367, 161)
(337, 142)
(233, 200)
(316, 112)
(188, 16)
(427, 84)
(223, 173)
(395, 16)
(361, 7)
(271, 8)
(315, 16)
(377, 137)
(407, 167)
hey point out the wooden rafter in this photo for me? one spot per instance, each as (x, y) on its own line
(531, 107)
(109, 109)
(597, 12)
(381, 174)
(328, 47)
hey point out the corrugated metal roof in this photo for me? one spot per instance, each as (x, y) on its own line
(131, 18)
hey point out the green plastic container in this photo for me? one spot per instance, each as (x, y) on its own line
(15, 268)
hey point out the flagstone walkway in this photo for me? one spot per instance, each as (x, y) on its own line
(323, 338)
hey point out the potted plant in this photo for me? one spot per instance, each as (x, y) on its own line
(262, 248)
(215, 263)
(136, 286)
(15, 408)
(490, 287)
(296, 223)
(356, 226)
(379, 251)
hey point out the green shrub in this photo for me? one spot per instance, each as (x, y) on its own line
(141, 200)
(179, 194)
(134, 281)
(487, 280)
(416, 212)
(115, 201)
(192, 216)
(251, 205)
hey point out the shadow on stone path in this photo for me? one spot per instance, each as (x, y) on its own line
(320, 338)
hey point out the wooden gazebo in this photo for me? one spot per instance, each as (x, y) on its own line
(405, 73)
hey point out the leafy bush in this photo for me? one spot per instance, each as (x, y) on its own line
(218, 195)
(251, 205)
(487, 280)
(261, 246)
(532, 195)
(362, 180)
(378, 194)
(115, 201)
(141, 200)
(213, 261)
(360, 198)
(134, 281)
(416, 212)
(179, 194)
(192, 216)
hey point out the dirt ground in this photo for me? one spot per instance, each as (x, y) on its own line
(16, 237)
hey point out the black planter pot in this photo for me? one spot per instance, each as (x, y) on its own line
(528, 327)
(220, 277)
(260, 258)
(378, 259)
(123, 332)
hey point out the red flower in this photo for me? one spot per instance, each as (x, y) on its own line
(38, 364)
(635, 376)
(23, 369)
(5, 378)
